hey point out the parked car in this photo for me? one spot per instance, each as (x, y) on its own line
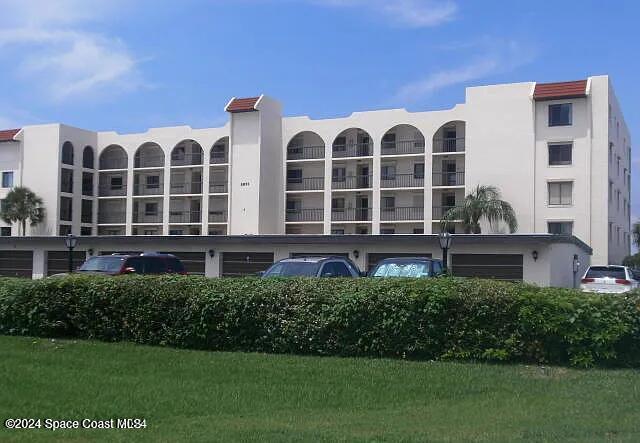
(610, 279)
(313, 267)
(146, 263)
(411, 267)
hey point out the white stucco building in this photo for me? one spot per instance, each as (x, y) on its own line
(558, 152)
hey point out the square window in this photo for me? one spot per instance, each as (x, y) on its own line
(150, 209)
(7, 179)
(418, 170)
(560, 154)
(560, 193)
(116, 183)
(153, 181)
(337, 204)
(66, 181)
(66, 205)
(339, 174)
(560, 114)
(294, 175)
(87, 211)
(85, 230)
(388, 172)
(5, 231)
(65, 230)
(560, 228)
(388, 203)
(87, 183)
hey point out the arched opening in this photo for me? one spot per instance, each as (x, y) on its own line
(187, 152)
(220, 151)
(67, 153)
(87, 158)
(113, 157)
(149, 155)
(305, 145)
(450, 137)
(352, 142)
(402, 139)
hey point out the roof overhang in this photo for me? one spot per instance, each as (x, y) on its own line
(560, 90)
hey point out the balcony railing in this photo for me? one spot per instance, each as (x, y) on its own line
(402, 213)
(110, 191)
(141, 217)
(186, 188)
(352, 182)
(185, 217)
(449, 144)
(113, 163)
(187, 159)
(403, 147)
(440, 211)
(112, 217)
(305, 152)
(303, 215)
(305, 184)
(448, 178)
(402, 181)
(218, 187)
(353, 150)
(351, 214)
(217, 216)
(144, 189)
(148, 161)
(217, 158)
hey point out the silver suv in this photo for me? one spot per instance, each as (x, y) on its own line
(313, 267)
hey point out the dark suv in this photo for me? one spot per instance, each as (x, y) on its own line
(146, 263)
(313, 267)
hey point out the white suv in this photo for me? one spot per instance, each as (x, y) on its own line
(610, 279)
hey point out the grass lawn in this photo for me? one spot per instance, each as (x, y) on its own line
(207, 396)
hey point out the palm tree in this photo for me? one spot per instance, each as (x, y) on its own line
(483, 203)
(20, 205)
(635, 232)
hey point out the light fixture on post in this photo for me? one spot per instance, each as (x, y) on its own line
(356, 253)
(70, 242)
(212, 253)
(534, 255)
(445, 243)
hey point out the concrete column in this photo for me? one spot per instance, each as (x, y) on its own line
(212, 265)
(39, 263)
(328, 169)
(166, 193)
(205, 194)
(428, 187)
(129, 202)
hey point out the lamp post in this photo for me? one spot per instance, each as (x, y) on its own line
(445, 243)
(71, 241)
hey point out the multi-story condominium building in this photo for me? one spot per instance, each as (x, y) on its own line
(558, 152)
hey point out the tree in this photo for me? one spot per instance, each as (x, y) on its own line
(20, 205)
(483, 203)
(635, 232)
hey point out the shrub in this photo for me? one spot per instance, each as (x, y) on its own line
(443, 318)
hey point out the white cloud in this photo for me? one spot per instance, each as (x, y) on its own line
(60, 58)
(414, 13)
(495, 58)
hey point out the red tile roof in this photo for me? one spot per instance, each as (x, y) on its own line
(243, 104)
(8, 134)
(551, 91)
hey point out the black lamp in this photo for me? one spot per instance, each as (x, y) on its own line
(445, 243)
(212, 253)
(534, 254)
(70, 242)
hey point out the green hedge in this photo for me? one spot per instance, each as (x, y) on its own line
(443, 318)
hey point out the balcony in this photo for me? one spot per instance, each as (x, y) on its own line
(305, 152)
(186, 159)
(217, 216)
(439, 212)
(218, 158)
(185, 217)
(352, 150)
(441, 145)
(304, 215)
(155, 161)
(352, 182)
(111, 217)
(351, 214)
(402, 213)
(218, 187)
(402, 181)
(448, 178)
(151, 189)
(147, 217)
(305, 184)
(402, 147)
(186, 188)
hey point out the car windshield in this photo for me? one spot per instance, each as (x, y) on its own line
(413, 269)
(102, 264)
(293, 269)
(606, 271)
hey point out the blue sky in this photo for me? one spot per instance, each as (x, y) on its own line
(129, 65)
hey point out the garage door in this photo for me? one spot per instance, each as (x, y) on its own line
(497, 266)
(374, 257)
(193, 261)
(16, 264)
(58, 261)
(240, 264)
